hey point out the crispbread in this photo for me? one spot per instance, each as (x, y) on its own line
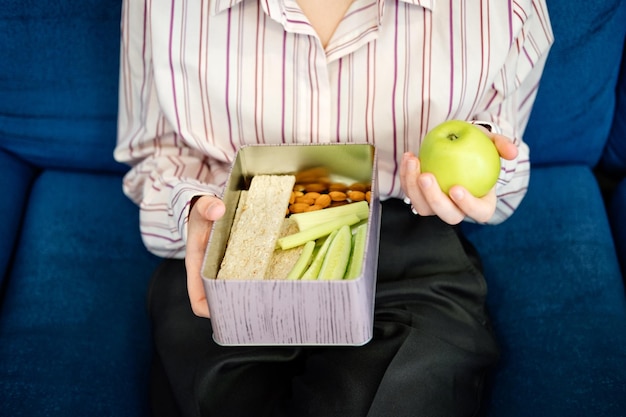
(259, 221)
(283, 260)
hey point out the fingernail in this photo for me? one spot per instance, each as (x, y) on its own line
(425, 181)
(211, 207)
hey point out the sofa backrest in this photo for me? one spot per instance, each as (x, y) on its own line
(59, 75)
(614, 157)
(575, 103)
(58, 82)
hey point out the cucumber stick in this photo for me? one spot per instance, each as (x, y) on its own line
(337, 256)
(312, 219)
(316, 264)
(358, 252)
(324, 229)
(303, 261)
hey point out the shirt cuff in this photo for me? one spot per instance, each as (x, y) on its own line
(183, 196)
(493, 128)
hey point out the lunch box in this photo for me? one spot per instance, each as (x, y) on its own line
(294, 312)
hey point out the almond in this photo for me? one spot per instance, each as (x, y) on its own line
(313, 195)
(356, 195)
(315, 187)
(323, 200)
(337, 196)
(338, 186)
(358, 186)
(298, 207)
(305, 200)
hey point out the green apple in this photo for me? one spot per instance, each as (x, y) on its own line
(459, 153)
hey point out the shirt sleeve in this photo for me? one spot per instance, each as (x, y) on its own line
(510, 100)
(165, 173)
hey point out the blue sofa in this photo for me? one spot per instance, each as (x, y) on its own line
(613, 168)
(74, 334)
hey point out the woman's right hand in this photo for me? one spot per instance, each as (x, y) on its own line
(204, 212)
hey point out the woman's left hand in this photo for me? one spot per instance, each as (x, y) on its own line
(427, 198)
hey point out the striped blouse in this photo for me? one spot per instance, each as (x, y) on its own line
(199, 78)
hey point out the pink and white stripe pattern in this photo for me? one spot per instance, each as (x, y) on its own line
(200, 78)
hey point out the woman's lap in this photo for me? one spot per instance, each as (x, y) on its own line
(431, 348)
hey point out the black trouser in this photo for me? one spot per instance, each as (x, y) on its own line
(431, 349)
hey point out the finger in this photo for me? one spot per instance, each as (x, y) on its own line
(197, 237)
(206, 210)
(506, 148)
(195, 289)
(209, 207)
(403, 168)
(479, 209)
(409, 174)
(193, 262)
(438, 201)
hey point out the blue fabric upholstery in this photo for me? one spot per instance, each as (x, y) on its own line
(614, 158)
(617, 212)
(555, 293)
(59, 71)
(580, 242)
(15, 179)
(574, 109)
(74, 333)
(613, 164)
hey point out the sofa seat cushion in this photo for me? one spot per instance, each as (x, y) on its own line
(15, 180)
(557, 300)
(74, 332)
(617, 212)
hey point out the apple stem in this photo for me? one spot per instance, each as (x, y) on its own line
(452, 136)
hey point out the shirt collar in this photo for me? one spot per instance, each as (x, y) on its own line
(218, 6)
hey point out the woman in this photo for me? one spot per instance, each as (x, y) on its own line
(201, 78)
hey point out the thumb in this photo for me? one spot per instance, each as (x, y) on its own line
(506, 148)
(209, 207)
